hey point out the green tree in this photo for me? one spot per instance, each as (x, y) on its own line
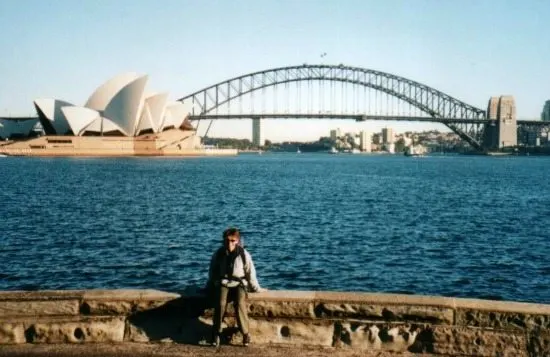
(400, 145)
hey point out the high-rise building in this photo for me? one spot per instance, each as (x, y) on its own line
(365, 141)
(545, 116)
(335, 134)
(387, 136)
(257, 137)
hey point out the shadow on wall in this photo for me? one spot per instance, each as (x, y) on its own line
(180, 320)
(186, 320)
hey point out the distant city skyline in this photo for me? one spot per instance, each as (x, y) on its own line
(63, 50)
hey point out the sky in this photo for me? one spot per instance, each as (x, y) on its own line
(469, 49)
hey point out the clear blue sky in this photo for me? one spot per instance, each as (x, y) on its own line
(470, 49)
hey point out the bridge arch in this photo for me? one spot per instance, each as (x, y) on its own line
(434, 103)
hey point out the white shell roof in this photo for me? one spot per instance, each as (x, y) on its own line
(105, 93)
(50, 109)
(124, 109)
(79, 118)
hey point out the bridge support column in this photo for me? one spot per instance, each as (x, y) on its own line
(502, 131)
(257, 137)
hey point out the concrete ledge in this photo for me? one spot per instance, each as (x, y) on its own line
(356, 321)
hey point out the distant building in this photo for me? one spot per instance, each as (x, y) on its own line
(387, 136)
(10, 128)
(257, 137)
(545, 116)
(365, 141)
(335, 134)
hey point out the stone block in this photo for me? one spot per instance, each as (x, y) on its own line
(128, 295)
(293, 332)
(281, 309)
(502, 306)
(12, 333)
(501, 319)
(539, 343)
(283, 295)
(59, 330)
(156, 326)
(118, 307)
(384, 299)
(41, 295)
(404, 313)
(38, 308)
(479, 342)
(123, 301)
(379, 337)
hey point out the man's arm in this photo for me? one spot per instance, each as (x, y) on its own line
(250, 272)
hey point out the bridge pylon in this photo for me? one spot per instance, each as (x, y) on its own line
(501, 130)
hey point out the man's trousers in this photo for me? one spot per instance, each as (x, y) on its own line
(238, 296)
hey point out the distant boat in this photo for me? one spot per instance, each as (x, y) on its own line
(2, 155)
(355, 151)
(298, 151)
(333, 150)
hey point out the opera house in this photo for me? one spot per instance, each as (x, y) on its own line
(119, 119)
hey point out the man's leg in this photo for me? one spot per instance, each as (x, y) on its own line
(242, 313)
(219, 311)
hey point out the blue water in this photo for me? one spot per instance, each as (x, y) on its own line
(467, 226)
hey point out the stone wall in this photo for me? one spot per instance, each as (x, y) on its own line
(385, 322)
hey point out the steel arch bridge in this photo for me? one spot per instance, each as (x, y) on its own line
(464, 119)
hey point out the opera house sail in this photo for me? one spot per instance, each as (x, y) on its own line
(119, 119)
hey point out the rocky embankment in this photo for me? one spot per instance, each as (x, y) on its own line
(385, 324)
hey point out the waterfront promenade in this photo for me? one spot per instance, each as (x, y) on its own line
(151, 322)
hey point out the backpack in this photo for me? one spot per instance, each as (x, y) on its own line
(221, 252)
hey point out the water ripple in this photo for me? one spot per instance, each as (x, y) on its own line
(452, 226)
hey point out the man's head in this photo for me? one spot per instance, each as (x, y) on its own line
(231, 238)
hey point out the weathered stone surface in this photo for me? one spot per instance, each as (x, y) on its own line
(477, 342)
(134, 333)
(381, 337)
(362, 321)
(502, 306)
(100, 329)
(41, 295)
(539, 343)
(293, 332)
(283, 295)
(408, 313)
(384, 299)
(159, 324)
(117, 307)
(501, 320)
(272, 309)
(11, 333)
(38, 308)
(128, 295)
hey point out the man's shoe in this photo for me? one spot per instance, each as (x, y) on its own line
(216, 341)
(246, 340)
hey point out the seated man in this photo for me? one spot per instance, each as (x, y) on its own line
(231, 274)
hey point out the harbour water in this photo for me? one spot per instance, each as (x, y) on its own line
(466, 226)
